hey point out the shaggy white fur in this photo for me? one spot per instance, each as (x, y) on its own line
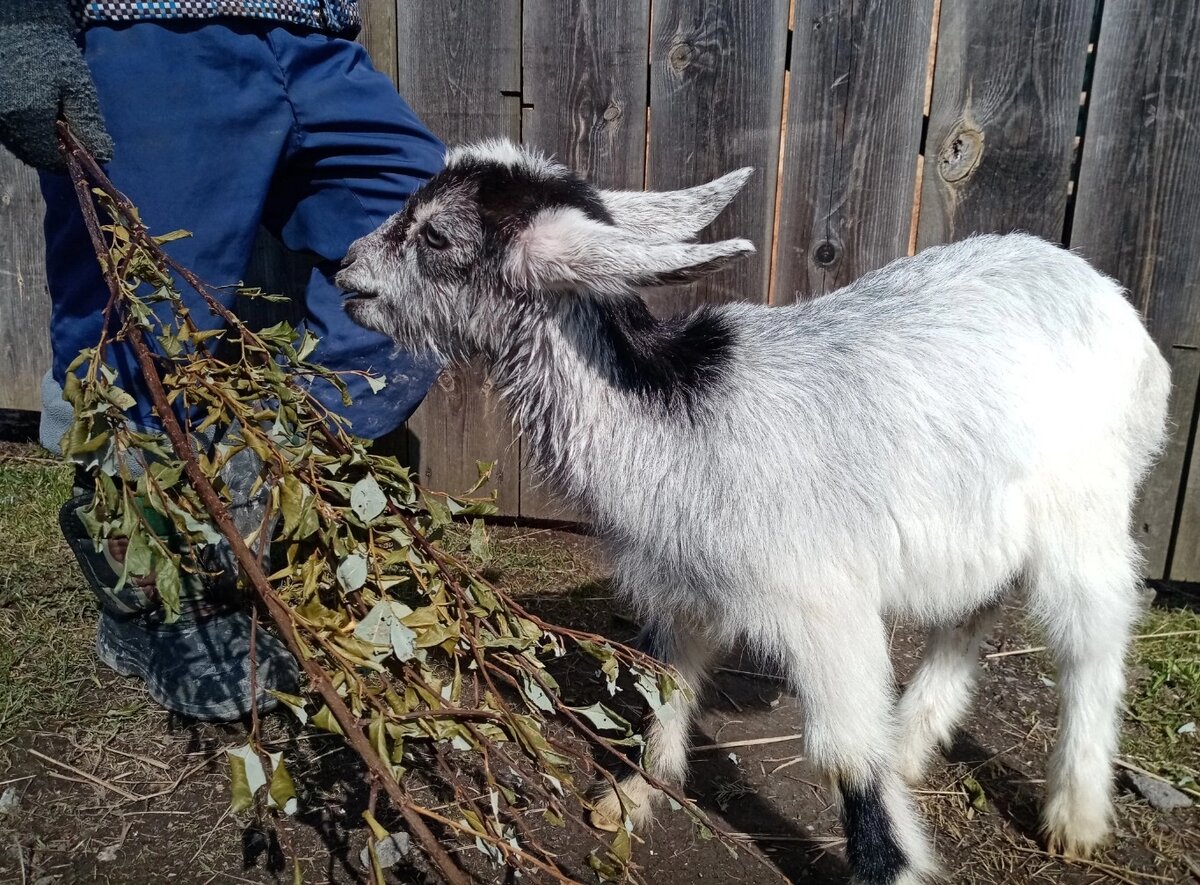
(952, 426)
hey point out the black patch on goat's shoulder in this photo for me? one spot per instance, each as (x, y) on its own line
(875, 855)
(510, 196)
(674, 361)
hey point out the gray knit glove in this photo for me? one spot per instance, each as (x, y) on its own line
(43, 76)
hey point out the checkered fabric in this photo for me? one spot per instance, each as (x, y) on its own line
(330, 16)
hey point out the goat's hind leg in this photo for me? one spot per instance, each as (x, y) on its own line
(843, 676)
(1087, 608)
(666, 749)
(937, 698)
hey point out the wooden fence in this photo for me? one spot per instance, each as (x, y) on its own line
(875, 126)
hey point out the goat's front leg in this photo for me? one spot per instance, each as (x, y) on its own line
(840, 668)
(665, 753)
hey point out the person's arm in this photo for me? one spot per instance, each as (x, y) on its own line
(43, 76)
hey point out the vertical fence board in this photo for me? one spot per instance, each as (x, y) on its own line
(1003, 120)
(716, 96)
(852, 140)
(1139, 180)
(585, 101)
(1185, 561)
(585, 86)
(1135, 215)
(1154, 519)
(24, 304)
(379, 34)
(460, 69)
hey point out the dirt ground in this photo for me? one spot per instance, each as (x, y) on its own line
(98, 785)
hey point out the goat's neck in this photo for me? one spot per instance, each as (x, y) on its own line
(581, 374)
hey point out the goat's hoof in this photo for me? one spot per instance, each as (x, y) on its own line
(912, 772)
(607, 813)
(1074, 845)
(610, 810)
(601, 821)
(1075, 823)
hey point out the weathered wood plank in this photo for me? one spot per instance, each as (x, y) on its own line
(460, 69)
(24, 302)
(585, 101)
(1154, 519)
(1163, 489)
(1135, 218)
(853, 136)
(716, 101)
(1004, 115)
(585, 86)
(379, 34)
(1139, 180)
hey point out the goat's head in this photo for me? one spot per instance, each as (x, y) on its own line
(502, 229)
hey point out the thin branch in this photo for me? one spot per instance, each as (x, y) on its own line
(249, 564)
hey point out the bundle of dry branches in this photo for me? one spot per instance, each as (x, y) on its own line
(410, 654)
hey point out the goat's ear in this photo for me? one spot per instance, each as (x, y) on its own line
(672, 216)
(564, 248)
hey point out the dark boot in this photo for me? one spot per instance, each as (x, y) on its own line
(199, 665)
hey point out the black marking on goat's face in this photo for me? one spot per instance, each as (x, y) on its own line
(507, 197)
(432, 275)
(875, 855)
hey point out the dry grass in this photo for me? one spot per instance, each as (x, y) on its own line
(53, 699)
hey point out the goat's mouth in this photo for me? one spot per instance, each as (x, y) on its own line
(355, 284)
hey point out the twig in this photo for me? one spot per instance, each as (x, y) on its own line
(77, 159)
(787, 764)
(1108, 868)
(162, 766)
(100, 782)
(770, 677)
(179, 780)
(1033, 649)
(750, 742)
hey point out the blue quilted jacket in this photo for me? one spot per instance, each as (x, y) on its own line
(332, 16)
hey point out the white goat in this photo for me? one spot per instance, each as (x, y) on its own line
(947, 429)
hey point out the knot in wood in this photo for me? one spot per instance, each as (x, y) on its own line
(960, 154)
(826, 253)
(612, 113)
(680, 56)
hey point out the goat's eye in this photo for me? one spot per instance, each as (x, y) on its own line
(433, 237)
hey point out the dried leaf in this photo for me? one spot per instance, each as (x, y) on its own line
(367, 499)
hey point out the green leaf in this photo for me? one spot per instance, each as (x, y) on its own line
(976, 796)
(295, 703)
(282, 792)
(367, 499)
(480, 547)
(382, 627)
(323, 719)
(537, 695)
(169, 585)
(352, 573)
(439, 511)
(292, 497)
(246, 775)
(376, 383)
(307, 345)
(171, 236)
(602, 717)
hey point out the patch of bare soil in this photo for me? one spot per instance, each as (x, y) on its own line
(118, 791)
